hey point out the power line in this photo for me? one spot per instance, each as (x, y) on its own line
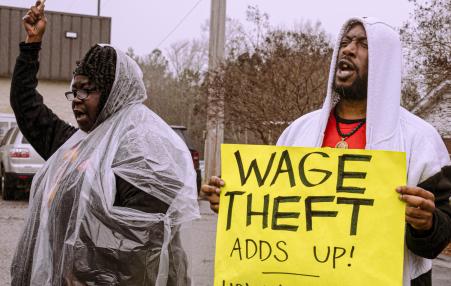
(178, 24)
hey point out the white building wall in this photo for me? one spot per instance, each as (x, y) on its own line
(53, 93)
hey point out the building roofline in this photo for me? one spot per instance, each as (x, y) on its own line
(56, 12)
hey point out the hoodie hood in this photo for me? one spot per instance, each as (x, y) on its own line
(384, 82)
(389, 127)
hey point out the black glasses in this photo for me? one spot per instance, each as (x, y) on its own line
(80, 94)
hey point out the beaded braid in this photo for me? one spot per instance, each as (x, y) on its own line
(99, 65)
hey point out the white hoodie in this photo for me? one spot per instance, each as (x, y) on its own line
(389, 126)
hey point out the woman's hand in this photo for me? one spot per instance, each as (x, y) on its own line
(35, 22)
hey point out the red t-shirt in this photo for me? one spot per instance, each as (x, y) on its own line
(331, 136)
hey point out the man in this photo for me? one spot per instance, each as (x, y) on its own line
(107, 206)
(362, 110)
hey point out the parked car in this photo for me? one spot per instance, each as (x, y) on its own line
(18, 164)
(7, 121)
(180, 130)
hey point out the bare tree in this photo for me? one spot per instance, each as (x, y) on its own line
(174, 93)
(410, 95)
(272, 82)
(188, 55)
(269, 78)
(427, 37)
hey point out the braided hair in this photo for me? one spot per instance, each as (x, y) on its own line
(99, 65)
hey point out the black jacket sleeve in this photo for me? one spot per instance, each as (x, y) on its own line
(431, 244)
(45, 131)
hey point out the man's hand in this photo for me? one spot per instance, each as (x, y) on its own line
(212, 191)
(420, 207)
(35, 22)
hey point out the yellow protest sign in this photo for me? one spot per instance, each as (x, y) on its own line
(294, 216)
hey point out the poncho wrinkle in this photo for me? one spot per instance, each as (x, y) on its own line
(74, 235)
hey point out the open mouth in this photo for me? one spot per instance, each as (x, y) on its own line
(345, 69)
(79, 115)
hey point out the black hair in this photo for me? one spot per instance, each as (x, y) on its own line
(352, 24)
(99, 65)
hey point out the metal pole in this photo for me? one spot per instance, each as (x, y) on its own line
(98, 7)
(215, 106)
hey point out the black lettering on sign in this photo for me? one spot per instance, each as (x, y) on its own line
(263, 213)
(229, 211)
(279, 215)
(264, 244)
(235, 284)
(338, 252)
(350, 175)
(316, 255)
(285, 160)
(248, 248)
(237, 247)
(285, 253)
(289, 273)
(309, 213)
(356, 203)
(351, 255)
(302, 175)
(253, 167)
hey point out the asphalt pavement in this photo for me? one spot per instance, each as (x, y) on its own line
(441, 271)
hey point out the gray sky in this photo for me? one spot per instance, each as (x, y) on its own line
(144, 24)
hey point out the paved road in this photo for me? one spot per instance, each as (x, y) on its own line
(200, 240)
(12, 216)
(441, 271)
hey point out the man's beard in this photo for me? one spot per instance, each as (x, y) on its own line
(356, 92)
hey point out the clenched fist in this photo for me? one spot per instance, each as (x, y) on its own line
(35, 22)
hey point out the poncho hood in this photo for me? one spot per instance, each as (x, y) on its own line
(74, 235)
(128, 87)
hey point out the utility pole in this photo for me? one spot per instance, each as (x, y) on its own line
(215, 105)
(98, 7)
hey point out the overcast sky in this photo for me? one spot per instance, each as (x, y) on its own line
(144, 24)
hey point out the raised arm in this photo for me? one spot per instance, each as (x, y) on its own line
(42, 128)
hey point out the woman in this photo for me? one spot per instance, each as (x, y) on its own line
(107, 206)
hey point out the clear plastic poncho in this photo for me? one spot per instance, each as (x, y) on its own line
(75, 236)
